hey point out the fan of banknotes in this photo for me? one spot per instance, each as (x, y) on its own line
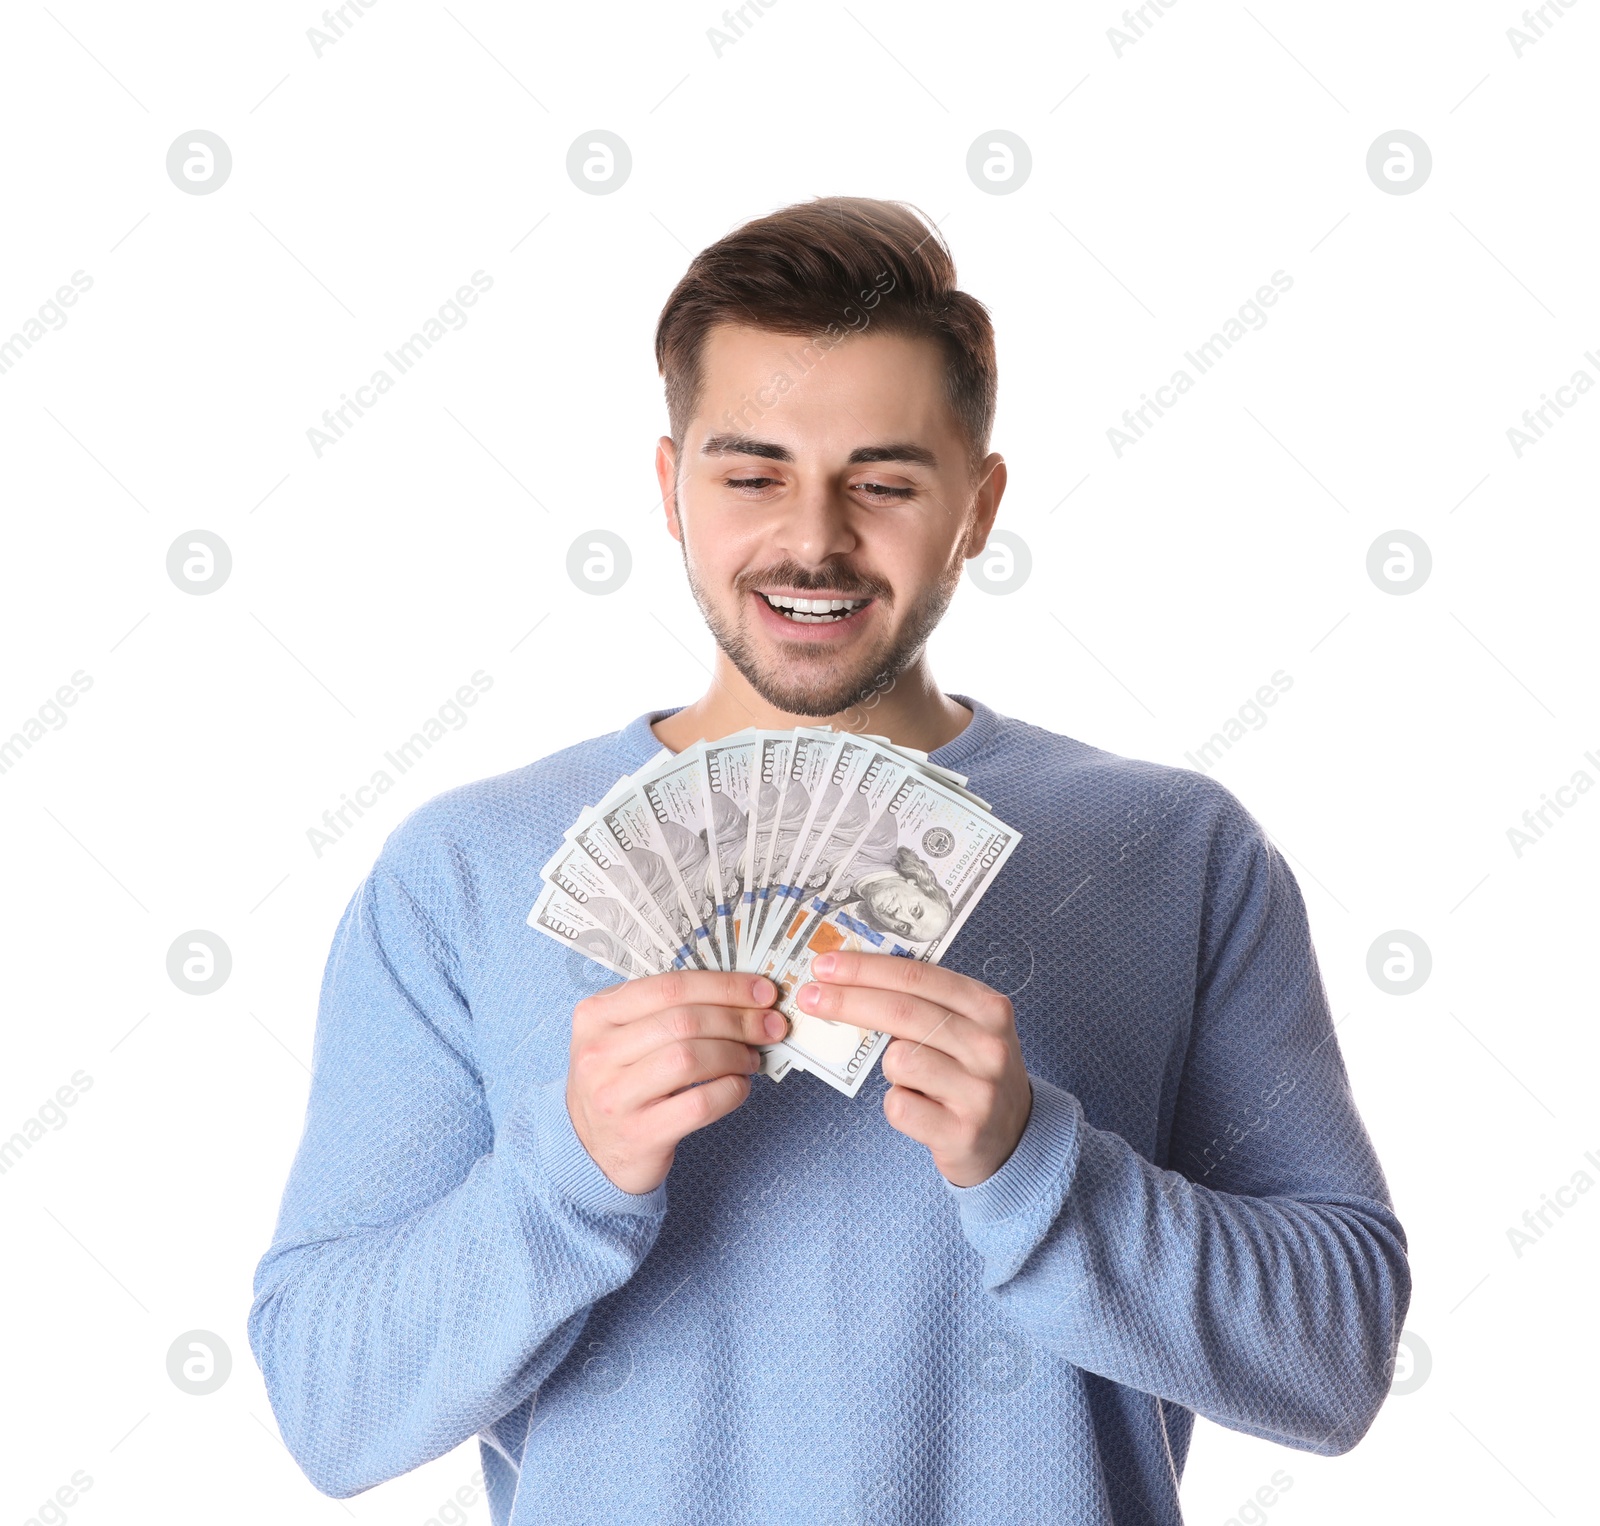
(765, 849)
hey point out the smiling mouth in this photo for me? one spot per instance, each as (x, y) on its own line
(813, 610)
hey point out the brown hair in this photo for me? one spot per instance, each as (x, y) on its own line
(829, 267)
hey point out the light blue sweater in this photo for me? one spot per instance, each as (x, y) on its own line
(805, 1323)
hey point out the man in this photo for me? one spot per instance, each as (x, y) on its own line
(998, 1284)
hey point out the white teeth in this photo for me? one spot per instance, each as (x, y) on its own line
(810, 611)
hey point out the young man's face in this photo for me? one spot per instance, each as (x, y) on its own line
(825, 502)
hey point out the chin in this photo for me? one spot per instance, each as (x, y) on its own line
(813, 689)
(813, 704)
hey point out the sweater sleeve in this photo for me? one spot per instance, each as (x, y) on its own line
(432, 1264)
(1262, 1280)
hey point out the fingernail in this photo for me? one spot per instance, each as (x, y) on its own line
(822, 965)
(777, 1025)
(762, 990)
(807, 996)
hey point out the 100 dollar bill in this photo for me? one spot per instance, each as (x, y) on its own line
(762, 851)
(915, 877)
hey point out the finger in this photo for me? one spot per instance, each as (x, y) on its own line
(932, 1072)
(889, 972)
(977, 1049)
(916, 1116)
(748, 1025)
(673, 1117)
(677, 1065)
(654, 993)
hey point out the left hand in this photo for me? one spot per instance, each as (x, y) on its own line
(958, 1083)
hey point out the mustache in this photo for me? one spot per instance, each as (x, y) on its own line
(842, 582)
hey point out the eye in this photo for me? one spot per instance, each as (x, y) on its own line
(883, 492)
(751, 484)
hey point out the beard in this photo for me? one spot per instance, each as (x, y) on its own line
(817, 683)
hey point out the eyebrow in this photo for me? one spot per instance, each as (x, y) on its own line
(744, 445)
(769, 450)
(918, 455)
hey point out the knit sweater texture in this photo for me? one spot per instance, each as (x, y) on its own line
(805, 1322)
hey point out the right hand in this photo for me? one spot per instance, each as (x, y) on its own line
(657, 1058)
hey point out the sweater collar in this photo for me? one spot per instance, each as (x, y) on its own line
(638, 743)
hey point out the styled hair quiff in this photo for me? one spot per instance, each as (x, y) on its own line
(825, 269)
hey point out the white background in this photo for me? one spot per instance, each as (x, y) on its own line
(1168, 183)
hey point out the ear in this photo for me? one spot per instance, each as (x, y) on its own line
(986, 498)
(667, 479)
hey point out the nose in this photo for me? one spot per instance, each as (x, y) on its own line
(815, 526)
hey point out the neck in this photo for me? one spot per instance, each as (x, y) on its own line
(912, 711)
